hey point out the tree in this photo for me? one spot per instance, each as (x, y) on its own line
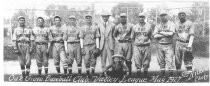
(132, 12)
(198, 11)
(153, 15)
(64, 12)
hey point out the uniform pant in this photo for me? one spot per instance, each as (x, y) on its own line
(166, 56)
(124, 49)
(119, 74)
(106, 53)
(90, 59)
(59, 55)
(181, 53)
(142, 56)
(41, 55)
(24, 58)
(74, 51)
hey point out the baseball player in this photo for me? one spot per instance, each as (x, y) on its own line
(56, 35)
(163, 33)
(185, 32)
(118, 67)
(72, 45)
(107, 39)
(141, 35)
(22, 39)
(122, 34)
(41, 38)
(90, 43)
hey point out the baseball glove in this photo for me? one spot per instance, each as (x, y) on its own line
(16, 51)
(96, 52)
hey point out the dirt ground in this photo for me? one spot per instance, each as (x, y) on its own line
(13, 67)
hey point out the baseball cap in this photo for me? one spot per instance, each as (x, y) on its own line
(57, 17)
(40, 17)
(73, 17)
(21, 17)
(118, 56)
(105, 14)
(163, 13)
(142, 14)
(123, 14)
(183, 12)
(88, 15)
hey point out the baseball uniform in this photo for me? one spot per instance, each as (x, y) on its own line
(118, 70)
(23, 37)
(57, 36)
(122, 34)
(73, 45)
(141, 45)
(89, 34)
(41, 39)
(165, 45)
(106, 42)
(183, 30)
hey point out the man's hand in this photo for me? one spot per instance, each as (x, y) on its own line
(97, 50)
(189, 49)
(16, 50)
(105, 74)
(160, 33)
(158, 36)
(48, 51)
(31, 50)
(127, 74)
(59, 39)
(67, 53)
(83, 51)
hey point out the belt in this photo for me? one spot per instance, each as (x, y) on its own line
(106, 39)
(89, 44)
(58, 42)
(124, 41)
(183, 41)
(73, 42)
(142, 45)
(24, 42)
(41, 43)
(164, 43)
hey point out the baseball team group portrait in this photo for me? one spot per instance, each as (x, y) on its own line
(106, 41)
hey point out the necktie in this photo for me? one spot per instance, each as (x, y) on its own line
(105, 24)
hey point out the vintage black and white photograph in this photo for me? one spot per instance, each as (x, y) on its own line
(122, 41)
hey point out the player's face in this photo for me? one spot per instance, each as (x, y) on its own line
(141, 19)
(88, 19)
(22, 22)
(57, 21)
(182, 17)
(164, 17)
(40, 22)
(72, 20)
(105, 18)
(116, 59)
(123, 19)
